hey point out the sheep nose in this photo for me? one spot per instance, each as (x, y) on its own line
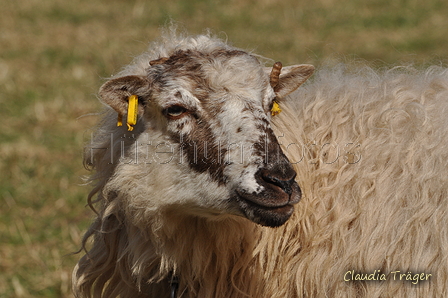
(285, 185)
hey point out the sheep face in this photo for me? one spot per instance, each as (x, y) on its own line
(214, 111)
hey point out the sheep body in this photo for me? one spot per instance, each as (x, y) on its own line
(369, 149)
(373, 155)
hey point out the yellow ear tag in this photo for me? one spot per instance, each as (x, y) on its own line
(275, 109)
(132, 111)
(120, 120)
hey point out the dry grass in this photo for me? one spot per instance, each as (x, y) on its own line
(53, 57)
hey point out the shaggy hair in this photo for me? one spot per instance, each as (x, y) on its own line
(369, 149)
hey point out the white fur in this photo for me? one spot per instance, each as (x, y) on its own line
(370, 152)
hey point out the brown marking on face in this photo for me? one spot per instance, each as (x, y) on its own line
(186, 65)
(203, 153)
(200, 147)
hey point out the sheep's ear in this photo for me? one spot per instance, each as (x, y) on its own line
(286, 80)
(116, 92)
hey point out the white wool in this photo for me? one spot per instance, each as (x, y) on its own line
(370, 151)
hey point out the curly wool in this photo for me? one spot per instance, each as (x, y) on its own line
(374, 174)
(369, 149)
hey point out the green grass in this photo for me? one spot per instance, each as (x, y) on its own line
(53, 57)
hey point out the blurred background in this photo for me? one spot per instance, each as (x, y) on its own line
(55, 54)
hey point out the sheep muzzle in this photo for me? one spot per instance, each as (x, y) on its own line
(278, 192)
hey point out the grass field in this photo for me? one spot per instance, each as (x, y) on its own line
(54, 54)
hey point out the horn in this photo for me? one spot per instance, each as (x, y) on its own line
(275, 74)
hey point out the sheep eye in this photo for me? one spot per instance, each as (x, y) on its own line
(175, 112)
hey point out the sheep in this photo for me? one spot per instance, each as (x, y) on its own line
(215, 192)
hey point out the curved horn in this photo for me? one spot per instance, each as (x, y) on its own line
(275, 74)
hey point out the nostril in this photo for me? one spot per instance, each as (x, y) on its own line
(285, 185)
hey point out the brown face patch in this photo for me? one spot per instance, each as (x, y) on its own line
(199, 146)
(202, 152)
(269, 191)
(185, 65)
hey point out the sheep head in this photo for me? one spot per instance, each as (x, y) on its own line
(212, 110)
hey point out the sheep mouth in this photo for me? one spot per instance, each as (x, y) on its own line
(267, 213)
